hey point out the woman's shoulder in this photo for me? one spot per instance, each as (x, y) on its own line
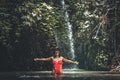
(61, 57)
(52, 57)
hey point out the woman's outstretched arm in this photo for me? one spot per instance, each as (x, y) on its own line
(70, 61)
(43, 59)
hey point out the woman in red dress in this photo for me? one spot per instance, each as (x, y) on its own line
(57, 61)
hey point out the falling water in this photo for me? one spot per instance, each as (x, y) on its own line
(69, 30)
(69, 33)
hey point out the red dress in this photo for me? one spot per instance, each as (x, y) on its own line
(57, 64)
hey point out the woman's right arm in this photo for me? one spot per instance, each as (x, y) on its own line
(43, 59)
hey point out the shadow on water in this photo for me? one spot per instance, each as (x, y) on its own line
(69, 78)
(68, 75)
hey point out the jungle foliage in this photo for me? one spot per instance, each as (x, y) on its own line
(28, 29)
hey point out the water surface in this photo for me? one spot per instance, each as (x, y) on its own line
(85, 75)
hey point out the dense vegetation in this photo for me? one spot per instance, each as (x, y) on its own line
(28, 29)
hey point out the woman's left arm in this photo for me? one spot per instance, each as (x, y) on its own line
(70, 61)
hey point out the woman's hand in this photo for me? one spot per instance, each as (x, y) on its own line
(70, 61)
(35, 59)
(76, 62)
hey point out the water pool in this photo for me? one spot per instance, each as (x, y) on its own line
(45, 75)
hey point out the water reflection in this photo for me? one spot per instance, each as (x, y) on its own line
(39, 76)
(58, 78)
(68, 77)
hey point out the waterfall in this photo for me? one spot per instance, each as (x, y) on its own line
(69, 32)
(70, 35)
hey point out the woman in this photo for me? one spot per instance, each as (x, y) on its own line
(57, 61)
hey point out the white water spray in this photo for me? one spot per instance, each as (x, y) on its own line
(69, 30)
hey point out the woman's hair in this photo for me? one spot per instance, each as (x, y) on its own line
(57, 49)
